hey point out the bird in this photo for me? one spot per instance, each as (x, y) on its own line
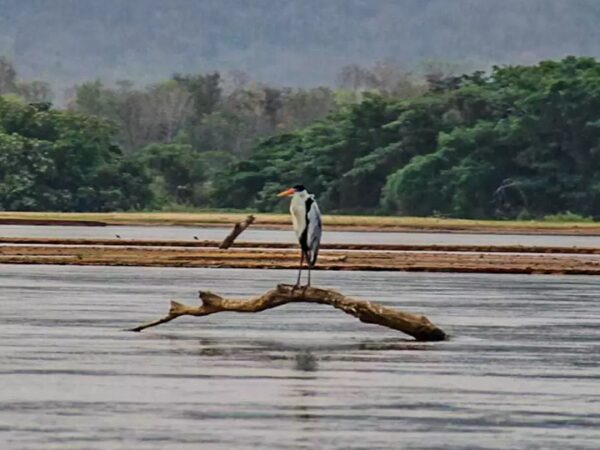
(306, 220)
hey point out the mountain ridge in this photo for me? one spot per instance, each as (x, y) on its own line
(282, 42)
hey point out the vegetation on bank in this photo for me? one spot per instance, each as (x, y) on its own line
(346, 222)
(519, 142)
(180, 134)
(59, 160)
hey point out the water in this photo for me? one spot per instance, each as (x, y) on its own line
(256, 235)
(522, 369)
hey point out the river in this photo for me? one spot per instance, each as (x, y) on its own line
(257, 235)
(522, 369)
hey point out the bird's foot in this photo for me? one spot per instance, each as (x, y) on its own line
(299, 287)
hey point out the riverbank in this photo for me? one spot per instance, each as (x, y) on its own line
(282, 221)
(347, 257)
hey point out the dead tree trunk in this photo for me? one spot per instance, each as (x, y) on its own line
(237, 230)
(366, 311)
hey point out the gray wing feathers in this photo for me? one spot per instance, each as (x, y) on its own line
(313, 239)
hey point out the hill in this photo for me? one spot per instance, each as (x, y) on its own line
(295, 43)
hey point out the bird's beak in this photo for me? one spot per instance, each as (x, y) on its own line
(286, 193)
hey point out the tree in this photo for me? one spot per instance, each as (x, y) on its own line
(178, 173)
(58, 160)
(447, 152)
(205, 91)
(170, 106)
(385, 77)
(8, 77)
(35, 91)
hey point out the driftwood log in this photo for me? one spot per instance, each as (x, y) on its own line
(366, 311)
(237, 230)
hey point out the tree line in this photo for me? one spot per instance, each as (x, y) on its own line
(181, 133)
(518, 141)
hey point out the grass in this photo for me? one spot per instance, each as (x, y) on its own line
(369, 222)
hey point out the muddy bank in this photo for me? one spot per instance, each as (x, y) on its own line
(290, 245)
(283, 258)
(56, 222)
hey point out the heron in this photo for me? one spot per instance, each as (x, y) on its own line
(306, 219)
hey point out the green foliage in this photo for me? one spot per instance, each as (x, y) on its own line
(177, 172)
(567, 217)
(56, 160)
(193, 110)
(521, 141)
(205, 91)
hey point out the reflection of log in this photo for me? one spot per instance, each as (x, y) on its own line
(366, 311)
(237, 230)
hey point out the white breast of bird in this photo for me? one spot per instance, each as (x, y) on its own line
(298, 212)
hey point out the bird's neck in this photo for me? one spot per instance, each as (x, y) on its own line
(302, 195)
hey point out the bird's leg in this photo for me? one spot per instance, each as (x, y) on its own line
(308, 284)
(300, 269)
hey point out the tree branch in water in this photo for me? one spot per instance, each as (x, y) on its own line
(366, 311)
(237, 230)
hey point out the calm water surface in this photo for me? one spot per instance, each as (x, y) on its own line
(254, 235)
(522, 369)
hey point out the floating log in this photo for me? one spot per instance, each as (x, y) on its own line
(366, 311)
(237, 230)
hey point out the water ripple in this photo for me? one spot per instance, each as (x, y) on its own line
(521, 369)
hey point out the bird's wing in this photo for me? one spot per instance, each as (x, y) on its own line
(313, 216)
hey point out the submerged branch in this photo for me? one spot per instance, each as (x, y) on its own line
(366, 311)
(237, 230)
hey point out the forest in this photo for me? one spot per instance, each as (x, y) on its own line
(513, 142)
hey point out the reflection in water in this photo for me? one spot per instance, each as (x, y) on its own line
(302, 411)
(521, 369)
(305, 361)
(305, 398)
(395, 344)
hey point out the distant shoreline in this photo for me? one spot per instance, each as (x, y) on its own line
(282, 221)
